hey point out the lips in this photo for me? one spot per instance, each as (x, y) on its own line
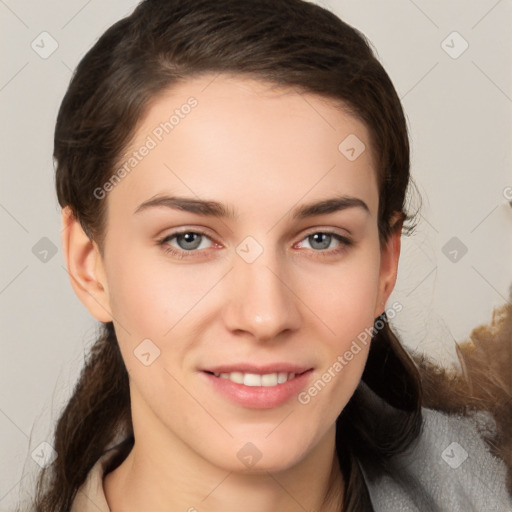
(258, 369)
(263, 394)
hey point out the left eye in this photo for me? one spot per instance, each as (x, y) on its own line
(322, 240)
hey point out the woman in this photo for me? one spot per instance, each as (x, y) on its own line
(232, 176)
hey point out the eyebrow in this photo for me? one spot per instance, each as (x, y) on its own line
(215, 209)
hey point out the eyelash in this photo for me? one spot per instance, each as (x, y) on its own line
(180, 254)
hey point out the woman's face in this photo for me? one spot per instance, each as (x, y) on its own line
(263, 284)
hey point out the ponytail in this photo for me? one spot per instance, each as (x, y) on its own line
(97, 413)
(383, 417)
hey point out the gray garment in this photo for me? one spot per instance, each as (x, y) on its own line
(448, 469)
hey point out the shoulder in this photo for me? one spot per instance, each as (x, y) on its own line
(90, 496)
(448, 468)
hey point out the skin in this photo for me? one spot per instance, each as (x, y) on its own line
(261, 152)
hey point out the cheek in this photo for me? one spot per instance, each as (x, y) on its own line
(133, 299)
(344, 296)
(348, 311)
(155, 298)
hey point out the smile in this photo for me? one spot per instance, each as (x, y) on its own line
(254, 379)
(258, 390)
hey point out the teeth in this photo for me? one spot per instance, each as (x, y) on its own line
(254, 379)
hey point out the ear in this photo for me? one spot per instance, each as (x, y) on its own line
(390, 254)
(85, 267)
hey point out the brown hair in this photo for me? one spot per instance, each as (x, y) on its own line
(285, 42)
(485, 383)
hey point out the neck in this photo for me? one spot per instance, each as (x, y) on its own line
(162, 473)
(134, 486)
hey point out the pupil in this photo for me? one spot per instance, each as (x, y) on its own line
(323, 243)
(189, 239)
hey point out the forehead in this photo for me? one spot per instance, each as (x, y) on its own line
(240, 139)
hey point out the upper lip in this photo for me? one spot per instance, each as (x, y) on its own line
(258, 369)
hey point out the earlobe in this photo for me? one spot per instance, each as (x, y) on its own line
(85, 267)
(390, 254)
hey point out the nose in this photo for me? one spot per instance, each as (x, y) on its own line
(261, 300)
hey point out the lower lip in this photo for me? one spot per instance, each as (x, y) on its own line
(259, 397)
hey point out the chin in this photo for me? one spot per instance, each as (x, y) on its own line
(255, 454)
